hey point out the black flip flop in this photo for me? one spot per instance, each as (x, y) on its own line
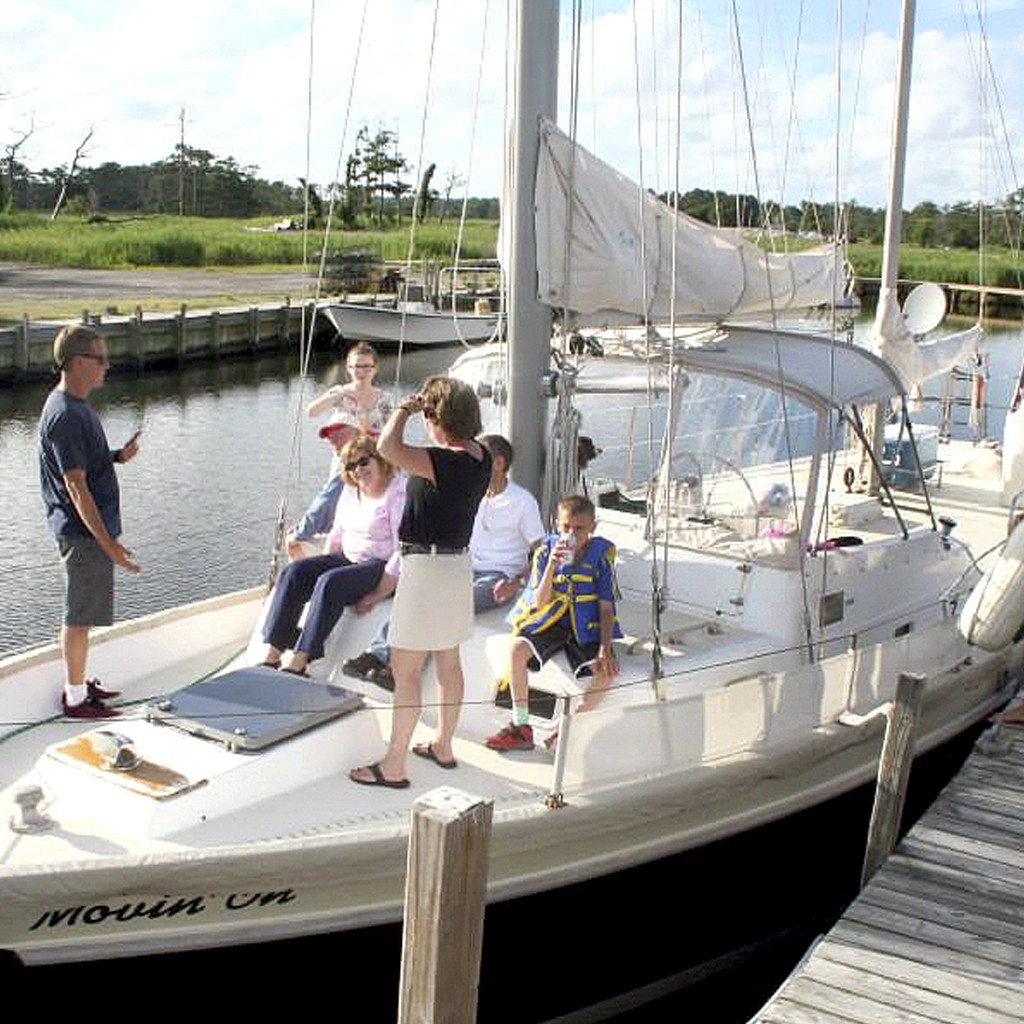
(426, 751)
(378, 778)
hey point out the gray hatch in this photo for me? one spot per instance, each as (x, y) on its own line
(252, 708)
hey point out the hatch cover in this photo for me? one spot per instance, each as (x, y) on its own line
(253, 708)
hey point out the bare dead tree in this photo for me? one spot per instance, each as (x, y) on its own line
(67, 179)
(452, 181)
(11, 150)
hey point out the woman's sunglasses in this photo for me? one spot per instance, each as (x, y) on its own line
(360, 463)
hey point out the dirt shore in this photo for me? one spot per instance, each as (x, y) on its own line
(66, 291)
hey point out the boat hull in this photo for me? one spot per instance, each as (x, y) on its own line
(346, 875)
(745, 903)
(391, 327)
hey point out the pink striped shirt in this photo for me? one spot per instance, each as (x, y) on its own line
(365, 527)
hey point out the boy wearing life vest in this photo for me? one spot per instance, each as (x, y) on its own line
(569, 604)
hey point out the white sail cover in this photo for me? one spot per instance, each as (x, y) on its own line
(914, 360)
(600, 267)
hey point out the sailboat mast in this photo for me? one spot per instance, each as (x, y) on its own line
(889, 323)
(888, 300)
(529, 321)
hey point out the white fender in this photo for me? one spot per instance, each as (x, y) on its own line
(994, 611)
(1013, 453)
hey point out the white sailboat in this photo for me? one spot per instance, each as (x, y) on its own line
(782, 602)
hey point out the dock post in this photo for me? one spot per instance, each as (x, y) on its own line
(893, 772)
(21, 347)
(181, 334)
(254, 327)
(215, 333)
(445, 886)
(283, 317)
(138, 340)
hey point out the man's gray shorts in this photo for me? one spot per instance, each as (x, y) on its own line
(88, 583)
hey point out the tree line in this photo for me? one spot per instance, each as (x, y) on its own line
(376, 190)
(955, 226)
(192, 181)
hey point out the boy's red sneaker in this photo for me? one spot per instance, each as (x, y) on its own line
(512, 737)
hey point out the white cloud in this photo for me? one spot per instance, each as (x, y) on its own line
(241, 71)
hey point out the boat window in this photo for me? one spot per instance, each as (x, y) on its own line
(729, 479)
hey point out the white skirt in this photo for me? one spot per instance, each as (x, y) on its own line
(433, 607)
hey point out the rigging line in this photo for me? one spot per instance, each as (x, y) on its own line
(997, 94)
(707, 116)
(621, 685)
(831, 458)
(306, 334)
(294, 455)
(790, 123)
(419, 167)
(469, 178)
(787, 426)
(641, 209)
(673, 381)
(574, 99)
(332, 197)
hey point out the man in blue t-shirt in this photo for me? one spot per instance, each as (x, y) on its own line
(83, 508)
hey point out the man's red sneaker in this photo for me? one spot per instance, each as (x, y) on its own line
(91, 707)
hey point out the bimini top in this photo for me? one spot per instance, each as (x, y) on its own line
(815, 369)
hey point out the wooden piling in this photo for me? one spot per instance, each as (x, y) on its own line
(893, 772)
(215, 333)
(21, 347)
(138, 340)
(181, 347)
(446, 880)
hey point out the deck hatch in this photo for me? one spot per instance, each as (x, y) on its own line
(252, 708)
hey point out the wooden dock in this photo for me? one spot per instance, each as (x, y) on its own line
(987, 302)
(937, 935)
(156, 339)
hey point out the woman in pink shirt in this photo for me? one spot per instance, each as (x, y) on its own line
(360, 568)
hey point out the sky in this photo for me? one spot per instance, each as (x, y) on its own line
(284, 86)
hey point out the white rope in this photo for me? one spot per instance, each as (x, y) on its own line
(420, 168)
(787, 427)
(465, 194)
(293, 470)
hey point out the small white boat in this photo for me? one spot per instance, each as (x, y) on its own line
(417, 324)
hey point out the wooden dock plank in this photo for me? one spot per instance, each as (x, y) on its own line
(951, 889)
(931, 906)
(981, 991)
(859, 995)
(937, 937)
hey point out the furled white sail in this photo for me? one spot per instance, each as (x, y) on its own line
(913, 359)
(593, 258)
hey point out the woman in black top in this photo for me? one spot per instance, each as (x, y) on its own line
(433, 610)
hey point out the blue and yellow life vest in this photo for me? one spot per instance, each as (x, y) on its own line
(574, 592)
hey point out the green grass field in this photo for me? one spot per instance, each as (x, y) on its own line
(167, 241)
(1001, 268)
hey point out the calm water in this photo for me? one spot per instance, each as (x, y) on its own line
(201, 500)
